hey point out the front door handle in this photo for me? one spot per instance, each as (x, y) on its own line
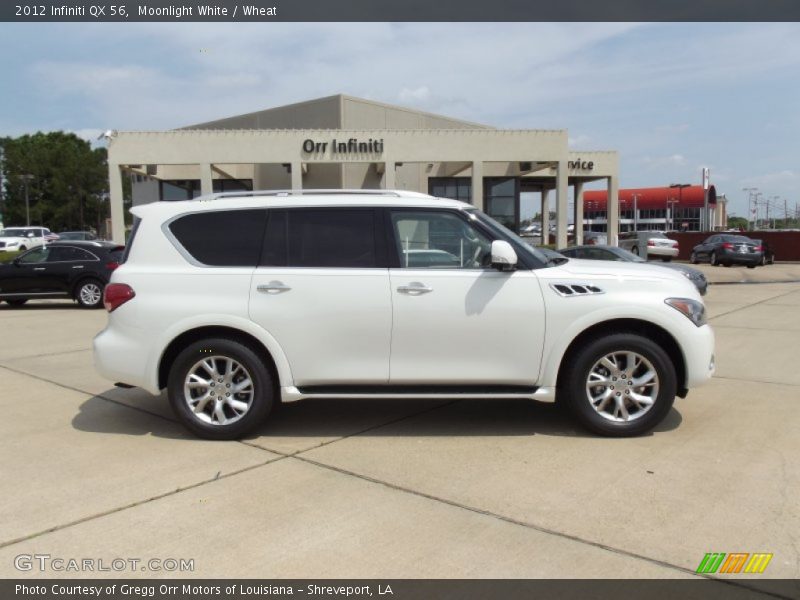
(38, 268)
(78, 267)
(273, 287)
(415, 288)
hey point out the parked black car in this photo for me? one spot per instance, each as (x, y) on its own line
(78, 270)
(728, 249)
(76, 235)
(614, 253)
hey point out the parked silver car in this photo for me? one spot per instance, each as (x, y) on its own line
(649, 244)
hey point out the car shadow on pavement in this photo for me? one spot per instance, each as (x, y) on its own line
(332, 418)
(461, 417)
(67, 304)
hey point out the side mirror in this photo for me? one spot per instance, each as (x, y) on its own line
(15, 262)
(30, 234)
(503, 256)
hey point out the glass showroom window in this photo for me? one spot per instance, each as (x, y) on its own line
(455, 188)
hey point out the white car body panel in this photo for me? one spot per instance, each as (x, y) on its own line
(474, 326)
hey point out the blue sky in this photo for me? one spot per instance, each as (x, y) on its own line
(671, 98)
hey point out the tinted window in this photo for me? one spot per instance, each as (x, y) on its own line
(68, 253)
(223, 238)
(332, 238)
(36, 255)
(275, 240)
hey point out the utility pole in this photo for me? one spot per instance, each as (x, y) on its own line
(750, 209)
(27, 179)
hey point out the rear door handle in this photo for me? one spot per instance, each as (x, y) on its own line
(273, 287)
(414, 288)
(38, 268)
(78, 267)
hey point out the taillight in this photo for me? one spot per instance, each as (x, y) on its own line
(651, 242)
(112, 265)
(117, 294)
(727, 246)
(758, 249)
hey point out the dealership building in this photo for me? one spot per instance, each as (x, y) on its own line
(342, 142)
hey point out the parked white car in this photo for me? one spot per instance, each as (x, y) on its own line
(649, 244)
(19, 239)
(315, 295)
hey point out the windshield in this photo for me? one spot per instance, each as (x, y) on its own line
(506, 233)
(736, 238)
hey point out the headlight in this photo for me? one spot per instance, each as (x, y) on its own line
(692, 309)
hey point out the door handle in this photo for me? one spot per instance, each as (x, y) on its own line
(38, 268)
(78, 267)
(414, 289)
(273, 287)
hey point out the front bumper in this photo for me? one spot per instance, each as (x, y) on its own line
(699, 355)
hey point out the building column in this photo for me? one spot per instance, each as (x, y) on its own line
(612, 211)
(115, 200)
(297, 175)
(545, 217)
(206, 179)
(562, 206)
(389, 182)
(578, 218)
(477, 184)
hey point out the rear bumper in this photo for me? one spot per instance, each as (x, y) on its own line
(118, 357)
(740, 258)
(662, 251)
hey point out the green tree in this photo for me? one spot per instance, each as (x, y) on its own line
(735, 222)
(67, 181)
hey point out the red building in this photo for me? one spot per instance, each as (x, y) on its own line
(668, 208)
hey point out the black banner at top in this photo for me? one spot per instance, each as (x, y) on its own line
(398, 10)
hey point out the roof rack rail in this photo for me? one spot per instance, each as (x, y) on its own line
(244, 194)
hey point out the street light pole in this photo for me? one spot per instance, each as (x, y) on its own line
(27, 179)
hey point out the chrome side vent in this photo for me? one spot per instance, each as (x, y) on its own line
(576, 289)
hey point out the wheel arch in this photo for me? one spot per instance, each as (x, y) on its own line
(83, 278)
(190, 336)
(625, 325)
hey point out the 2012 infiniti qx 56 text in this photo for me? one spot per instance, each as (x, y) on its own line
(234, 302)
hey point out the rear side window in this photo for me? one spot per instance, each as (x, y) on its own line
(69, 254)
(223, 238)
(341, 237)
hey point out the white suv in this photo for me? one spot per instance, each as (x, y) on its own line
(19, 239)
(235, 302)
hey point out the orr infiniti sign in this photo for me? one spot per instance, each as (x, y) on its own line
(346, 147)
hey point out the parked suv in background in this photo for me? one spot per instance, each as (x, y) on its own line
(649, 244)
(19, 239)
(321, 295)
(77, 270)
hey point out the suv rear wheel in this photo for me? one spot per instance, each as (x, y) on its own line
(620, 385)
(220, 389)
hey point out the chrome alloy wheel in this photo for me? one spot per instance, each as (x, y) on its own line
(218, 390)
(622, 386)
(90, 294)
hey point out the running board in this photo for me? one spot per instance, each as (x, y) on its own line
(542, 394)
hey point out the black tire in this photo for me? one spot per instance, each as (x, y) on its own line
(693, 258)
(751, 266)
(726, 264)
(577, 372)
(666, 259)
(713, 259)
(89, 293)
(763, 261)
(17, 301)
(22, 248)
(217, 350)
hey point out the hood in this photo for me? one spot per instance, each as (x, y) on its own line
(576, 267)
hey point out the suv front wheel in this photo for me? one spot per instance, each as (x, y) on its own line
(220, 389)
(620, 385)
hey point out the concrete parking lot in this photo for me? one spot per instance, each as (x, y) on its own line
(405, 489)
